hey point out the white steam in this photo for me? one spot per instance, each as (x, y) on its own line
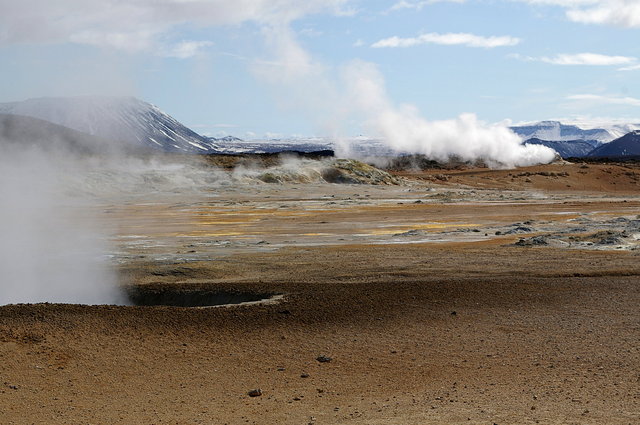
(404, 130)
(305, 84)
(49, 252)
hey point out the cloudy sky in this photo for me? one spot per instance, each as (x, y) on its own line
(256, 68)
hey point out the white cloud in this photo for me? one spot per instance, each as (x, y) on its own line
(563, 3)
(310, 32)
(592, 59)
(139, 25)
(630, 68)
(621, 13)
(603, 99)
(418, 5)
(187, 49)
(449, 39)
(133, 41)
(589, 59)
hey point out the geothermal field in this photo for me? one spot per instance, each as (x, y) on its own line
(319, 212)
(304, 289)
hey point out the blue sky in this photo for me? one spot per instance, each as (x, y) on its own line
(256, 68)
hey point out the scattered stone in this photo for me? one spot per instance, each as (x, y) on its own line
(535, 241)
(519, 229)
(304, 375)
(255, 393)
(323, 359)
(409, 233)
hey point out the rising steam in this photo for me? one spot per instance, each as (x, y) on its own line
(360, 96)
(48, 252)
(404, 130)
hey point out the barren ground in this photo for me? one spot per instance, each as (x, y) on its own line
(461, 297)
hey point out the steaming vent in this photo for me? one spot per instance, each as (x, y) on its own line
(174, 296)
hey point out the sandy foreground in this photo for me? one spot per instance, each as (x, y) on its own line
(460, 297)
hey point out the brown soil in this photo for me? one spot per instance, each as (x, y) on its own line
(476, 332)
(569, 177)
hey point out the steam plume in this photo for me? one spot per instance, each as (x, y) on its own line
(47, 253)
(404, 130)
(305, 83)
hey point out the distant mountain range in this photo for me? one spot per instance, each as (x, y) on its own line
(233, 145)
(569, 148)
(95, 122)
(559, 132)
(19, 132)
(124, 120)
(572, 141)
(627, 145)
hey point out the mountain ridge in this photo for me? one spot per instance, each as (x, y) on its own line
(125, 120)
(627, 145)
(568, 148)
(559, 132)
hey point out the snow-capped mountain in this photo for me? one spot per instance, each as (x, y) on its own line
(556, 131)
(231, 145)
(18, 132)
(627, 145)
(225, 139)
(569, 148)
(125, 120)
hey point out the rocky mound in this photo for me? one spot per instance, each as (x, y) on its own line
(340, 171)
(355, 172)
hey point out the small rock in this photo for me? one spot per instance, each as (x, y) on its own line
(323, 359)
(304, 375)
(255, 393)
